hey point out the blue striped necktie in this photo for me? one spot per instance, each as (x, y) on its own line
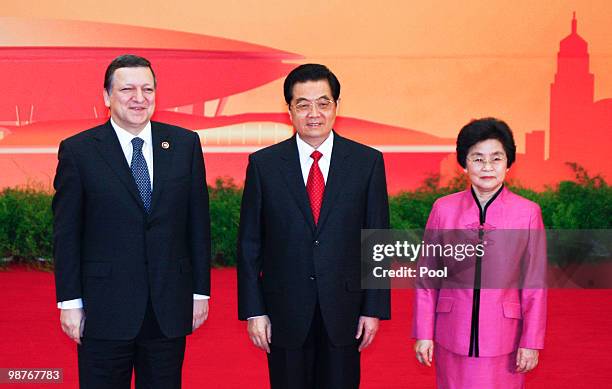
(140, 172)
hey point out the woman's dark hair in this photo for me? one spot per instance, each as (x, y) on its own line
(483, 129)
(310, 72)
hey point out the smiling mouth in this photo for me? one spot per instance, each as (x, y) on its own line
(314, 124)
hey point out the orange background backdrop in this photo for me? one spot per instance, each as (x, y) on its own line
(428, 66)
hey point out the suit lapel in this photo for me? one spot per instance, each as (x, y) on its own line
(292, 174)
(335, 178)
(162, 159)
(110, 150)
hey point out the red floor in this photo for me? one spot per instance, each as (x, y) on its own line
(578, 350)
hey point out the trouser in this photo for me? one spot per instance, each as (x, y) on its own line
(318, 364)
(156, 360)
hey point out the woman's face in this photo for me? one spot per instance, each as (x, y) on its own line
(486, 165)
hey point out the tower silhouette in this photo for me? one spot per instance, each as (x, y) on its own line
(580, 127)
(571, 100)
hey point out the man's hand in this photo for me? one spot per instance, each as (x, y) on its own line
(526, 359)
(424, 351)
(368, 326)
(260, 332)
(73, 323)
(200, 313)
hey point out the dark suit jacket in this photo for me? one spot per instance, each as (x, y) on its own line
(114, 256)
(286, 264)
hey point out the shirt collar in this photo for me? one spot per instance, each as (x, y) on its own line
(125, 137)
(304, 149)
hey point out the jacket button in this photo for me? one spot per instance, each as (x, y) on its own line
(316, 242)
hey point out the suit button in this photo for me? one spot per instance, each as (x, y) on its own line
(312, 278)
(316, 242)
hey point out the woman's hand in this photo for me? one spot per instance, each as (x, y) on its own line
(526, 359)
(424, 351)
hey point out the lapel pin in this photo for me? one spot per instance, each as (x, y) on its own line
(165, 145)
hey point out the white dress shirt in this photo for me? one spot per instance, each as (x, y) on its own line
(125, 140)
(304, 151)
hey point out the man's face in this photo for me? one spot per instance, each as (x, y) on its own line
(132, 98)
(313, 111)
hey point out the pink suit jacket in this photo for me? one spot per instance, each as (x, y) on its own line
(508, 318)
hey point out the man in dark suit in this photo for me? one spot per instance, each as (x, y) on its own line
(305, 202)
(131, 238)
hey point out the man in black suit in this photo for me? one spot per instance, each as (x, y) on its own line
(131, 238)
(305, 202)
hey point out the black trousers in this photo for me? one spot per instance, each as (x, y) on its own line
(156, 360)
(318, 364)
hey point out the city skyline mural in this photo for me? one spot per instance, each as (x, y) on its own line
(230, 91)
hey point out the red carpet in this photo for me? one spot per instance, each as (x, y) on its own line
(219, 355)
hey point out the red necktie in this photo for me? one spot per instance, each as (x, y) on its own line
(315, 186)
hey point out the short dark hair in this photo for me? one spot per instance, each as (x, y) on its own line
(482, 129)
(125, 61)
(310, 72)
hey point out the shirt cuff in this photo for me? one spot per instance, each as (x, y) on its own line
(70, 304)
(255, 317)
(78, 303)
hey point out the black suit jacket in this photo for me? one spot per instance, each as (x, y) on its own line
(111, 253)
(286, 264)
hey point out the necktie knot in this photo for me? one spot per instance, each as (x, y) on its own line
(316, 155)
(137, 143)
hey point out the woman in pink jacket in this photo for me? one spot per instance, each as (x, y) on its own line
(486, 336)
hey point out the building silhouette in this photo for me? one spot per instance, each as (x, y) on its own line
(580, 127)
(571, 98)
(198, 75)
